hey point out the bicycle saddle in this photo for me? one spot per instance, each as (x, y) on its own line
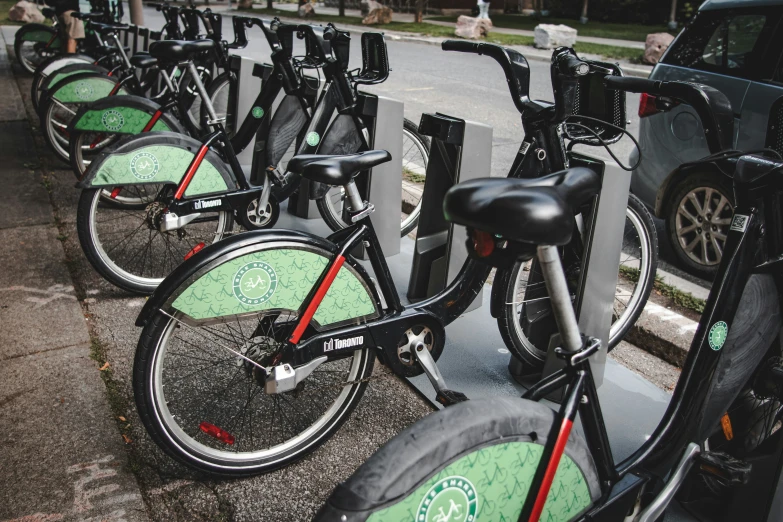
(336, 170)
(87, 16)
(180, 50)
(143, 60)
(538, 211)
(104, 29)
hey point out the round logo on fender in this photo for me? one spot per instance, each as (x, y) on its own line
(113, 120)
(313, 138)
(255, 283)
(83, 90)
(144, 166)
(718, 334)
(257, 112)
(452, 498)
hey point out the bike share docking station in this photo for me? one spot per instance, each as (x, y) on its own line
(460, 150)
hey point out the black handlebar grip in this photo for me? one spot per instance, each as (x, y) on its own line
(329, 32)
(461, 46)
(570, 65)
(623, 83)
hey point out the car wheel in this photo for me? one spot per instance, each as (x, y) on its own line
(698, 220)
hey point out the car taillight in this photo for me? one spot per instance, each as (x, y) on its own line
(647, 105)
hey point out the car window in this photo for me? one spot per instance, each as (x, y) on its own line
(727, 42)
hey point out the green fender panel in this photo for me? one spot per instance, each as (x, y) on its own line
(120, 120)
(276, 278)
(59, 76)
(86, 90)
(490, 485)
(41, 36)
(158, 164)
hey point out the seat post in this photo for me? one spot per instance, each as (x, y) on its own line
(357, 203)
(560, 297)
(202, 92)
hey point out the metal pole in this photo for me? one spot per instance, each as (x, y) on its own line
(136, 12)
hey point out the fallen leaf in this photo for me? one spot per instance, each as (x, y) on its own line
(126, 439)
(62, 400)
(105, 367)
(123, 419)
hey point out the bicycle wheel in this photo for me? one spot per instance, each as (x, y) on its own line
(56, 117)
(190, 101)
(415, 154)
(30, 53)
(218, 92)
(125, 245)
(472, 461)
(83, 147)
(525, 299)
(207, 408)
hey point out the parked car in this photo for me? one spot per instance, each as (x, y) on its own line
(734, 46)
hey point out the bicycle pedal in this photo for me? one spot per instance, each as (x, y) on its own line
(730, 471)
(450, 397)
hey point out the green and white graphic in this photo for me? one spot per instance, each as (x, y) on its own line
(83, 90)
(144, 165)
(499, 478)
(717, 335)
(133, 121)
(313, 138)
(451, 499)
(257, 112)
(113, 120)
(255, 283)
(275, 279)
(173, 162)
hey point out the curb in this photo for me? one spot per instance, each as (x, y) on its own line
(663, 333)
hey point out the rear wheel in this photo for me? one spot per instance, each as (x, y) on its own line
(415, 155)
(124, 243)
(85, 146)
(207, 407)
(55, 119)
(525, 300)
(30, 54)
(452, 466)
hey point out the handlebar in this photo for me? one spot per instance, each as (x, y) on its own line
(711, 105)
(571, 65)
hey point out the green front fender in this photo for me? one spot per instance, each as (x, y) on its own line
(160, 157)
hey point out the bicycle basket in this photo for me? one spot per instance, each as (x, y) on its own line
(375, 60)
(595, 101)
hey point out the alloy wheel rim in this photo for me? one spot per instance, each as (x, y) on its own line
(702, 223)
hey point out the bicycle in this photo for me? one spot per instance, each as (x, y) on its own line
(724, 413)
(201, 184)
(287, 325)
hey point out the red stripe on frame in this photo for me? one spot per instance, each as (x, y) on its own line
(551, 469)
(115, 89)
(319, 296)
(191, 172)
(152, 122)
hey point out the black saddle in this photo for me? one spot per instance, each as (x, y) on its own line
(143, 60)
(336, 170)
(180, 50)
(537, 211)
(104, 29)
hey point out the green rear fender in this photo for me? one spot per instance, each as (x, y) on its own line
(84, 88)
(159, 157)
(38, 33)
(123, 115)
(264, 271)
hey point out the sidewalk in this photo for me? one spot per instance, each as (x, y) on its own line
(61, 455)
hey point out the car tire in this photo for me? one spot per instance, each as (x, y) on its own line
(687, 235)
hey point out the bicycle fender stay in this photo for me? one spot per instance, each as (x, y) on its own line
(34, 32)
(159, 157)
(85, 87)
(264, 270)
(124, 115)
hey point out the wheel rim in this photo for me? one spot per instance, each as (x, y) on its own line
(634, 273)
(59, 116)
(222, 390)
(414, 173)
(702, 223)
(30, 57)
(134, 252)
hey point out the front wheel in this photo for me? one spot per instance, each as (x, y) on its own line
(206, 407)
(124, 242)
(452, 466)
(525, 301)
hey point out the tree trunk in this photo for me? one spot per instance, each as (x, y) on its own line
(419, 11)
(584, 9)
(136, 12)
(270, 4)
(673, 16)
(341, 7)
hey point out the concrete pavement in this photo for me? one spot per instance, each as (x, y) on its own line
(61, 455)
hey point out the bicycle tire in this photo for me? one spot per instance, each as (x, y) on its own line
(481, 454)
(512, 331)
